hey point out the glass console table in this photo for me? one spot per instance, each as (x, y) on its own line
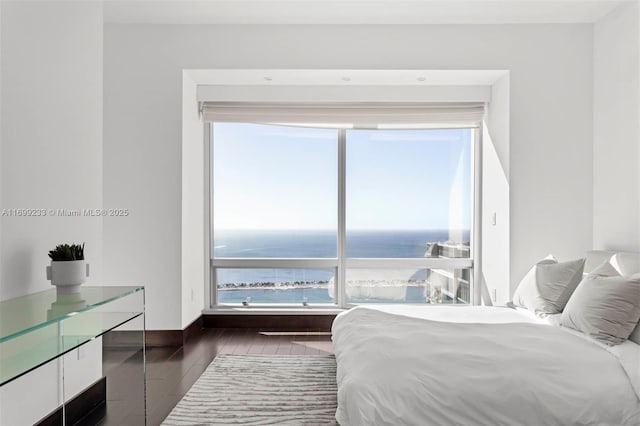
(65, 356)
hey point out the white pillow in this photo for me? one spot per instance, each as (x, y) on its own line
(547, 287)
(605, 308)
(526, 289)
(626, 263)
(606, 269)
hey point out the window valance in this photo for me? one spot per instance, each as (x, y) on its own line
(360, 116)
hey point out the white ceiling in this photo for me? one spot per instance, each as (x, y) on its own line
(357, 11)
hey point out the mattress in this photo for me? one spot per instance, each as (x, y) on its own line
(417, 365)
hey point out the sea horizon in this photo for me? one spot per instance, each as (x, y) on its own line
(322, 244)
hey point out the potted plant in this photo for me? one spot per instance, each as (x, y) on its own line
(68, 269)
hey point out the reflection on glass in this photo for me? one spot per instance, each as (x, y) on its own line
(249, 286)
(408, 190)
(408, 285)
(123, 357)
(64, 304)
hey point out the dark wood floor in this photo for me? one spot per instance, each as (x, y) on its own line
(171, 371)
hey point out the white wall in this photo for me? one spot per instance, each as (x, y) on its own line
(51, 143)
(51, 111)
(616, 131)
(495, 195)
(1, 268)
(194, 233)
(551, 112)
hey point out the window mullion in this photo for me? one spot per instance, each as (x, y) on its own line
(270, 263)
(476, 236)
(211, 293)
(342, 233)
(421, 263)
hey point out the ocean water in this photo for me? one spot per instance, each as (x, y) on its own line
(297, 285)
(415, 294)
(322, 244)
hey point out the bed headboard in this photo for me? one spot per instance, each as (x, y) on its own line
(628, 263)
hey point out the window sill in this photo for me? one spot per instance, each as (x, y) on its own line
(265, 310)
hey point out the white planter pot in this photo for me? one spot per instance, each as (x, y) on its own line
(68, 276)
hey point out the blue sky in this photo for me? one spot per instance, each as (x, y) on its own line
(279, 177)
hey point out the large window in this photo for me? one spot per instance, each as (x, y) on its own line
(321, 216)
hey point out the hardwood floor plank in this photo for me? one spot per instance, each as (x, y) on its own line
(297, 349)
(271, 345)
(171, 371)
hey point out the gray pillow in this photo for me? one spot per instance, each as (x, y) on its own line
(635, 336)
(605, 308)
(548, 286)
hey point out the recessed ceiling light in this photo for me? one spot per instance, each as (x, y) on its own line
(421, 78)
(267, 78)
(346, 78)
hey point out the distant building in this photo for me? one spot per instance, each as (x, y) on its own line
(448, 285)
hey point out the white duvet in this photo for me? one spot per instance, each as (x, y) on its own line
(478, 365)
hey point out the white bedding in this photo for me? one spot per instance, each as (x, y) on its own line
(477, 365)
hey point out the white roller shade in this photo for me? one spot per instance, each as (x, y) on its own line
(370, 116)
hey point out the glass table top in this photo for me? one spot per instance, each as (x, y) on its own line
(18, 358)
(24, 314)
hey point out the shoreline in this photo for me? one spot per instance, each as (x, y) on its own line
(272, 286)
(310, 285)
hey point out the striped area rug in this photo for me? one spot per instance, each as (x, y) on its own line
(261, 390)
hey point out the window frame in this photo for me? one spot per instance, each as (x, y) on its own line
(341, 263)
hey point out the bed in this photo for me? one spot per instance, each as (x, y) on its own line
(446, 365)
